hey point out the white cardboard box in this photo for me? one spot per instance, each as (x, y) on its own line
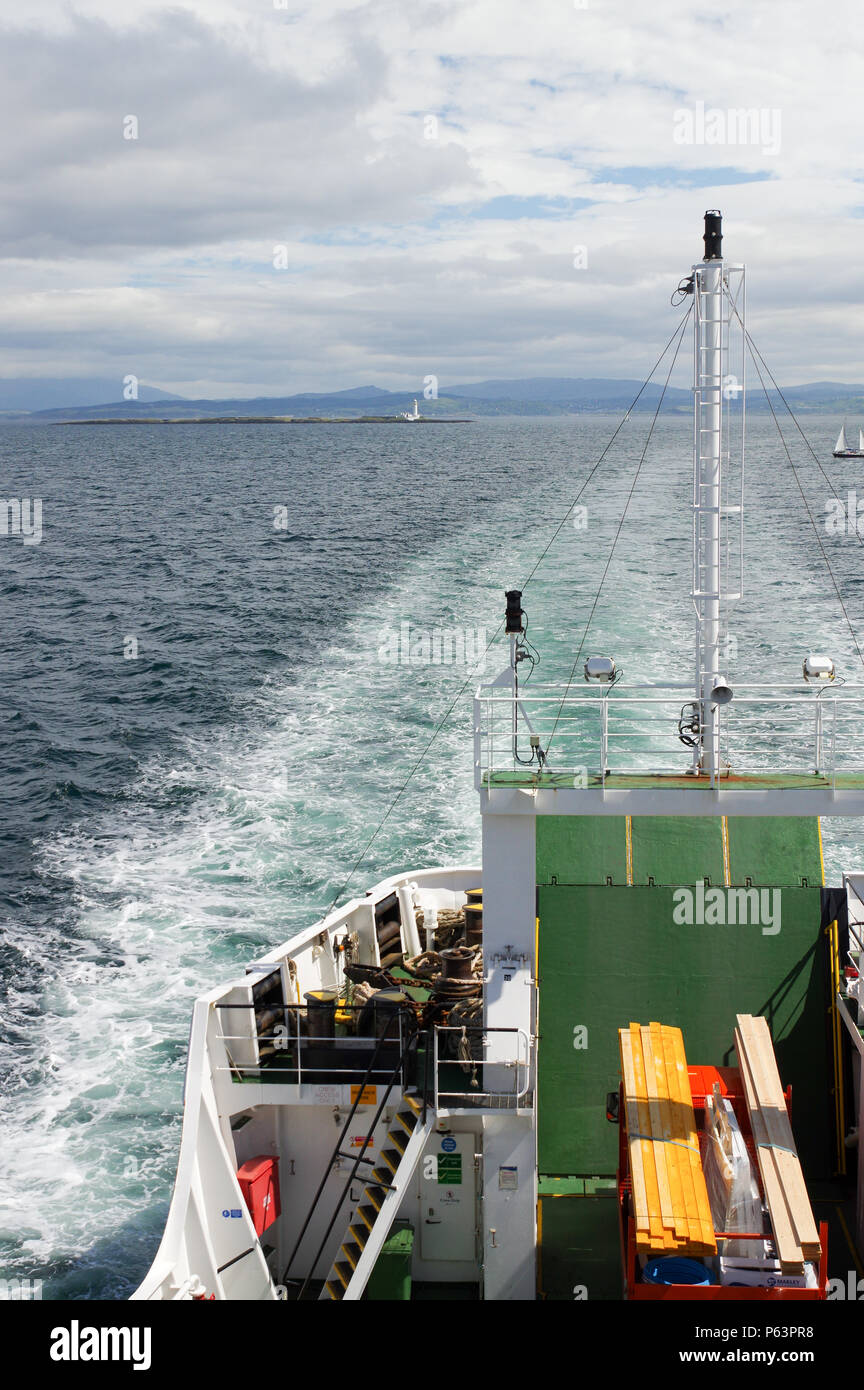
(766, 1274)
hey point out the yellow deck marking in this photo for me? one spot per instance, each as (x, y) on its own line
(628, 833)
(724, 833)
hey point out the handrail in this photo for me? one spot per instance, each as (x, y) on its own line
(598, 731)
(516, 1062)
(351, 1113)
(370, 1128)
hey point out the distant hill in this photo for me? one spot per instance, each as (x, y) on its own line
(47, 393)
(532, 396)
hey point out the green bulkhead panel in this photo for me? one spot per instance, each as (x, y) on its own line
(581, 849)
(774, 849)
(612, 955)
(677, 849)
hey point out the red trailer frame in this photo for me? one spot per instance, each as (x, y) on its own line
(702, 1082)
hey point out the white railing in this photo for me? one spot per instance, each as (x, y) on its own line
(491, 1082)
(587, 732)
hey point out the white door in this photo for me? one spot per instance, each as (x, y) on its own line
(448, 1197)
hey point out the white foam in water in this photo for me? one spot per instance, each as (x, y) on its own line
(285, 803)
(172, 902)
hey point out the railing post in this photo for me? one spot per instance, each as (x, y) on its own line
(604, 738)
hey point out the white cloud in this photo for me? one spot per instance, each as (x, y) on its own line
(306, 126)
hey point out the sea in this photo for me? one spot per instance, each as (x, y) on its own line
(206, 717)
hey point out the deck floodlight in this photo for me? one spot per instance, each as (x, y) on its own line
(721, 693)
(600, 668)
(818, 667)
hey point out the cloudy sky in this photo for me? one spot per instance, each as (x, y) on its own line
(257, 196)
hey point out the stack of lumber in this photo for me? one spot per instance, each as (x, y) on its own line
(795, 1235)
(670, 1200)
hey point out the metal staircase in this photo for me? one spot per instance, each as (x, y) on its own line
(387, 1183)
(383, 1193)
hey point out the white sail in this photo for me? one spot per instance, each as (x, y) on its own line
(861, 439)
(841, 440)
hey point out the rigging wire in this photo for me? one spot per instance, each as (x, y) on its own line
(622, 519)
(556, 533)
(471, 677)
(807, 505)
(754, 349)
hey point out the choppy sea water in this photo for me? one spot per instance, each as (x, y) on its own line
(199, 733)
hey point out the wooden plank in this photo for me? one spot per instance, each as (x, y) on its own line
(660, 1150)
(637, 1174)
(671, 1145)
(701, 1222)
(685, 1194)
(658, 1106)
(769, 1089)
(655, 1221)
(789, 1251)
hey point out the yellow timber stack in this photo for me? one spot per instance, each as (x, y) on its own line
(670, 1199)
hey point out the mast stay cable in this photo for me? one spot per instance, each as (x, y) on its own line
(806, 503)
(616, 537)
(470, 678)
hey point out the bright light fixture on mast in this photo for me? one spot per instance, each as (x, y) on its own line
(600, 668)
(818, 668)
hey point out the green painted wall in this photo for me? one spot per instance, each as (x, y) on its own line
(581, 849)
(775, 850)
(677, 849)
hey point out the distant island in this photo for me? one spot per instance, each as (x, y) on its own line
(261, 420)
(100, 401)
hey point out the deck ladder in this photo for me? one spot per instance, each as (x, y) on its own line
(382, 1197)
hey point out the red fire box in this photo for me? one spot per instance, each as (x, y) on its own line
(259, 1183)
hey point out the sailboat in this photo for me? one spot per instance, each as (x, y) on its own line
(434, 1091)
(842, 449)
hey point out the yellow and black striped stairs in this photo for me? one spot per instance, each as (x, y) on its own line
(383, 1192)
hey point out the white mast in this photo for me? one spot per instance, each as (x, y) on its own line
(714, 387)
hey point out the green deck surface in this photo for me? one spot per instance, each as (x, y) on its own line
(609, 955)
